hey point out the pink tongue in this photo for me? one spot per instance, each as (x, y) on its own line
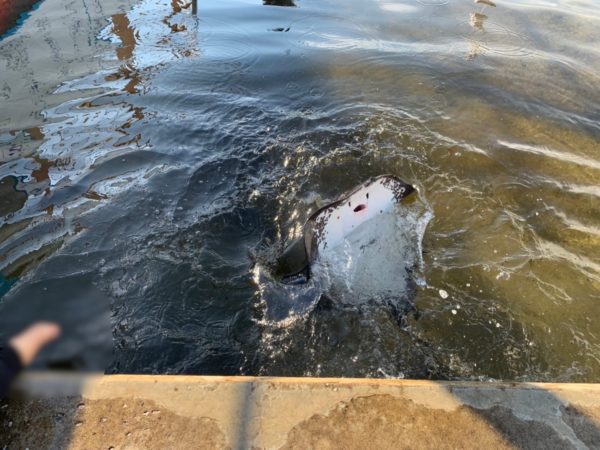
(360, 208)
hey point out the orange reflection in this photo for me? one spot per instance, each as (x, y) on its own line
(122, 28)
(126, 33)
(43, 172)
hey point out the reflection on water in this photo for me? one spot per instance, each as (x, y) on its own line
(12, 12)
(12, 199)
(170, 155)
(279, 2)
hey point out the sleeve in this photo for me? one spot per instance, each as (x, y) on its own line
(10, 366)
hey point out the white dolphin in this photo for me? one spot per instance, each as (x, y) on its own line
(341, 222)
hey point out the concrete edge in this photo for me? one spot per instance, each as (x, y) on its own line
(271, 412)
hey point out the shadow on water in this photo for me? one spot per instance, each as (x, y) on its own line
(12, 199)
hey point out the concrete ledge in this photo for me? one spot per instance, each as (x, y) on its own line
(160, 412)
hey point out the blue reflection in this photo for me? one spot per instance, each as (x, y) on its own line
(6, 284)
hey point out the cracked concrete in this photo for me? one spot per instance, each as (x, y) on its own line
(180, 412)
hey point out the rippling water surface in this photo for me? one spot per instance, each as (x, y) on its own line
(153, 161)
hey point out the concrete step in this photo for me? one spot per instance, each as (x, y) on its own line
(48, 410)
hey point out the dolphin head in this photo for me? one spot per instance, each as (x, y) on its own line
(331, 224)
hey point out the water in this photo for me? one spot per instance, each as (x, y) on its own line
(152, 160)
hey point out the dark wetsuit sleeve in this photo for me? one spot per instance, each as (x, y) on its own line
(10, 366)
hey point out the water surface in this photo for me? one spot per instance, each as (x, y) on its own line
(152, 160)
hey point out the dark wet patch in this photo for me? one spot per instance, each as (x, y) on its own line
(73, 422)
(385, 422)
(279, 2)
(11, 199)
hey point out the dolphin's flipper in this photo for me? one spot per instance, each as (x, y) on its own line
(293, 265)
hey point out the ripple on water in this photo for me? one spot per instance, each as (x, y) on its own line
(433, 2)
(489, 37)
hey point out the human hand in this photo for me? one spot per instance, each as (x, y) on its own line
(29, 342)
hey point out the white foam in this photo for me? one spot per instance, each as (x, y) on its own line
(380, 259)
(376, 259)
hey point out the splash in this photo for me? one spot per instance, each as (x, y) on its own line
(378, 261)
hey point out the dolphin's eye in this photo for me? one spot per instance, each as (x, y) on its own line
(402, 190)
(367, 196)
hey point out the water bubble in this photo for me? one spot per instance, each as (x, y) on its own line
(444, 294)
(503, 276)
